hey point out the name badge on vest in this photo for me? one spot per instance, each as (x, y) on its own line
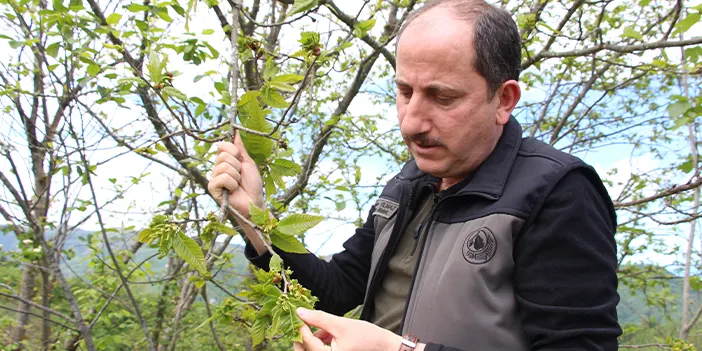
(385, 208)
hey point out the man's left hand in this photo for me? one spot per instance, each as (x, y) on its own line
(344, 334)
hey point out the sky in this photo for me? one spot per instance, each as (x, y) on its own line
(328, 237)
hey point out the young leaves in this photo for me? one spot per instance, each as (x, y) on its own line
(165, 235)
(189, 251)
(302, 6)
(296, 224)
(277, 315)
(287, 243)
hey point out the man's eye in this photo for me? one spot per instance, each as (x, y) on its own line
(444, 100)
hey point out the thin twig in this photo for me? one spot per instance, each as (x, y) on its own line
(54, 312)
(296, 97)
(234, 93)
(39, 316)
(209, 316)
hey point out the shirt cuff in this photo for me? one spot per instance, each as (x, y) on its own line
(261, 261)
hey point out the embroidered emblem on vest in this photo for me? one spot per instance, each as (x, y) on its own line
(480, 246)
(385, 208)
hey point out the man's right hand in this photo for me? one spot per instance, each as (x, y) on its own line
(236, 171)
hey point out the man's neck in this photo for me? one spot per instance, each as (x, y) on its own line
(446, 183)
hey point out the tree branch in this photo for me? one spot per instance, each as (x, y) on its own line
(54, 312)
(38, 316)
(616, 48)
(350, 22)
(671, 191)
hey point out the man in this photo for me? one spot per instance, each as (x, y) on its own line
(485, 240)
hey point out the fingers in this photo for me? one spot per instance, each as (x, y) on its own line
(226, 157)
(229, 148)
(222, 181)
(323, 335)
(298, 347)
(320, 319)
(240, 145)
(311, 342)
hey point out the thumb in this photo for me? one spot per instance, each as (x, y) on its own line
(319, 319)
(240, 145)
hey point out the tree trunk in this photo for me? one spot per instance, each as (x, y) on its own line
(46, 286)
(27, 293)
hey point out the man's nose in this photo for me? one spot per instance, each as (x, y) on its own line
(415, 119)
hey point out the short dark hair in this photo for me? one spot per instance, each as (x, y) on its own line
(495, 38)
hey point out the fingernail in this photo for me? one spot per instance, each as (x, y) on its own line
(302, 311)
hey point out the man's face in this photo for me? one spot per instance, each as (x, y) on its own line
(446, 118)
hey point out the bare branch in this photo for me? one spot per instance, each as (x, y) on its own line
(38, 316)
(209, 315)
(54, 312)
(671, 191)
(349, 21)
(616, 48)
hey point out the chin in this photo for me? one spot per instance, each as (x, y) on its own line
(435, 168)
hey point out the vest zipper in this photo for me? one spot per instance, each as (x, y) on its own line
(425, 226)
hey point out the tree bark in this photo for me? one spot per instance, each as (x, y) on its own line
(26, 292)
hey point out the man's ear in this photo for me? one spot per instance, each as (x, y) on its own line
(507, 96)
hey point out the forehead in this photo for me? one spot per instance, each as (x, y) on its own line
(435, 46)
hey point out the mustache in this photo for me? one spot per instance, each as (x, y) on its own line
(424, 140)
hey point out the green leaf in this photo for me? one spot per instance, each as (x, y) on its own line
(630, 32)
(16, 44)
(302, 6)
(296, 224)
(285, 167)
(276, 264)
(309, 40)
(685, 24)
(225, 229)
(52, 50)
(287, 243)
(93, 70)
(160, 147)
(258, 147)
(187, 249)
(271, 69)
(137, 8)
(208, 31)
(362, 28)
(164, 16)
(275, 322)
(76, 5)
(686, 167)
(249, 97)
(258, 331)
(144, 235)
(258, 215)
(676, 110)
(113, 19)
(154, 66)
(272, 98)
(358, 175)
(130, 80)
(282, 87)
(175, 93)
(288, 78)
